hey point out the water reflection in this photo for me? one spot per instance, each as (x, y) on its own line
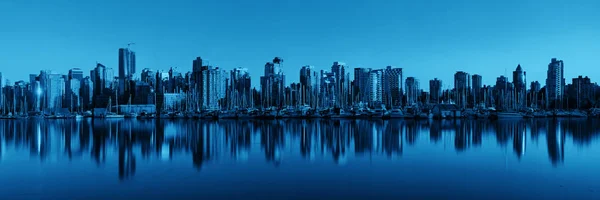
(339, 140)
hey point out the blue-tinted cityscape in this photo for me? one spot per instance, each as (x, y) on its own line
(288, 99)
(210, 92)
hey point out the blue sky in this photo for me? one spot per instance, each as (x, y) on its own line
(429, 39)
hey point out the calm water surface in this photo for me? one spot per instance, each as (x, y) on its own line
(299, 159)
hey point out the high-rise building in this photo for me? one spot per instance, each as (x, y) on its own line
(581, 91)
(520, 86)
(126, 70)
(376, 88)
(309, 86)
(535, 86)
(72, 88)
(55, 90)
(327, 88)
(176, 82)
(272, 86)
(477, 85)
(149, 76)
(197, 81)
(87, 92)
(412, 90)
(503, 93)
(99, 77)
(392, 87)
(239, 93)
(462, 85)
(341, 84)
(435, 91)
(555, 83)
(362, 85)
(213, 87)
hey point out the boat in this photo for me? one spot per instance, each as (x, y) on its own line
(340, 113)
(228, 115)
(130, 115)
(396, 113)
(423, 115)
(540, 114)
(378, 112)
(577, 114)
(8, 117)
(269, 113)
(560, 113)
(56, 116)
(508, 115)
(483, 115)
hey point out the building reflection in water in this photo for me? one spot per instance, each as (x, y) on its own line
(338, 140)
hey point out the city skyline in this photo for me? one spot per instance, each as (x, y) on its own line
(459, 36)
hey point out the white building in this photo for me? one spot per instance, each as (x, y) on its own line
(375, 87)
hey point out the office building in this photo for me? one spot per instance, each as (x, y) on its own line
(362, 85)
(239, 93)
(412, 90)
(555, 84)
(272, 86)
(520, 86)
(462, 85)
(477, 84)
(309, 86)
(126, 70)
(435, 91)
(392, 87)
(341, 84)
(376, 88)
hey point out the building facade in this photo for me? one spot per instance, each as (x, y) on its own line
(392, 87)
(462, 84)
(555, 84)
(435, 91)
(412, 90)
(126, 70)
(477, 84)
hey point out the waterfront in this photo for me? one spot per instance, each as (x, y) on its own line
(320, 158)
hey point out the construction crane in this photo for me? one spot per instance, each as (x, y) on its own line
(129, 44)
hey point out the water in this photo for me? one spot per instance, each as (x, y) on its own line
(299, 159)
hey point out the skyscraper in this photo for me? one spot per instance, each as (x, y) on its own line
(362, 84)
(582, 91)
(477, 85)
(55, 90)
(99, 79)
(196, 80)
(435, 90)
(309, 86)
(239, 90)
(126, 69)
(462, 85)
(412, 90)
(392, 87)
(520, 86)
(535, 86)
(213, 87)
(272, 86)
(72, 88)
(555, 83)
(376, 88)
(148, 76)
(341, 84)
(87, 92)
